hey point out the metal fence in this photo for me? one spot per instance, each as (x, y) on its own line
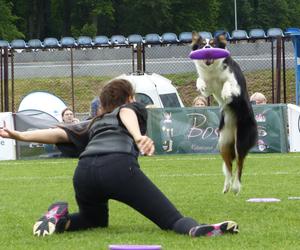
(76, 74)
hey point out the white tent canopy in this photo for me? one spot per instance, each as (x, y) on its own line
(151, 88)
(43, 101)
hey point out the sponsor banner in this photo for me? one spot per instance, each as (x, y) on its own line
(195, 130)
(294, 127)
(7, 146)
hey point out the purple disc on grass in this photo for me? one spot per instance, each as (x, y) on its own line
(209, 53)
(134, 247)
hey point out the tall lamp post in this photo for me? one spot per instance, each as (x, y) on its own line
(235, 15)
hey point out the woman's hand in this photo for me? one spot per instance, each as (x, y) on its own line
(145, 145)
(7, 133)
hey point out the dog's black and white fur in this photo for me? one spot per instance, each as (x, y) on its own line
(224, 80)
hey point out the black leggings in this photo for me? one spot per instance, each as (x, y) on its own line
(118, 176)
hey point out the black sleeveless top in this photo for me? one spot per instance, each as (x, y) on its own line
(105, 135)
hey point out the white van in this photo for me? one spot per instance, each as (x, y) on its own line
(154, 89)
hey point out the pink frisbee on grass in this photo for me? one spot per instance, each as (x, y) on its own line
(209, 53)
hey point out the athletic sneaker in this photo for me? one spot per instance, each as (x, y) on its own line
(215, 229)
(53, 221)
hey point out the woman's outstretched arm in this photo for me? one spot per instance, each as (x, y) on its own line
(47, 136)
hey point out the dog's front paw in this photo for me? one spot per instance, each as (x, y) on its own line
(226, 95)
(229, 90)
(201, 86)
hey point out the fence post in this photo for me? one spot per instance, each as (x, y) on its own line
(144, 59)
(296, 43)
(72, 80)
(133, 57)
(5, 77)
(278, 69)
(283, 70)
(139, 58)
(272, 58)
(12, 63)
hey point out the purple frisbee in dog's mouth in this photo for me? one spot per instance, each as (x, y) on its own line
(209, 53)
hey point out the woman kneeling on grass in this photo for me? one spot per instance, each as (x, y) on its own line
(108, 148)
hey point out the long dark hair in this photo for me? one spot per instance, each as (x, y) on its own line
(114, 94)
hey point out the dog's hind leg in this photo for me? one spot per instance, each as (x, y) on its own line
(226, 145)
(236, 186)
(227, 170)
(228, 156)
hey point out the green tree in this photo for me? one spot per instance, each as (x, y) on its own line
(272, 13)
(34, 17)
(8, 29)
(92, 16)
(245, 14)
(293, 13)
(165, 16)
(142, 16)
(61, 17)
(190, 15)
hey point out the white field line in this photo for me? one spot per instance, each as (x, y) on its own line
(155, 158)
(65, 177)
(30, 178)
(199, 158)
(42, 162)
(245, 174)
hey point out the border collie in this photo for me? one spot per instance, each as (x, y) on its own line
(224, 80)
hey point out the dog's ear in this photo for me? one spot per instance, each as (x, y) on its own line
(195, 40)
(195, 36)
(221, 41)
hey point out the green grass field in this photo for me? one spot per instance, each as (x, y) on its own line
(194, 184)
